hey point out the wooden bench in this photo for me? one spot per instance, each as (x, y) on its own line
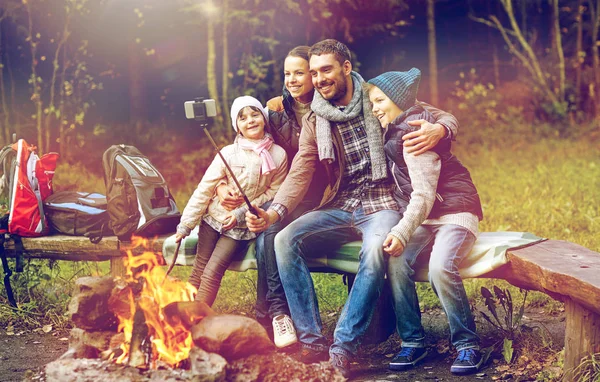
(565, 271)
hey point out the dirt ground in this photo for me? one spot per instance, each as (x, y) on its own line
(23, 354)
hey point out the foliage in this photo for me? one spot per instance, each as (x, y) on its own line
(508, 322)
(43, 291)
(589, 369)
(505, 321)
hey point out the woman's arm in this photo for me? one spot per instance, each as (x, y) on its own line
(424, 172)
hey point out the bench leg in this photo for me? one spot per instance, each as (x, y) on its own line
(582, 336)
(117, 269)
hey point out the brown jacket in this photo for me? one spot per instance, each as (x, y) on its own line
(298, 180)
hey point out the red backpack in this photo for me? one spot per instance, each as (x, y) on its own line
(27, 179)
(25, 182)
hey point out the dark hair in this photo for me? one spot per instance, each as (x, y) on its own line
(299, 51)
(331, 46)
(251, 107)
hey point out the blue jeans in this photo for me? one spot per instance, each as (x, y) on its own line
(447, 246)
(270, 296)
(327, 230)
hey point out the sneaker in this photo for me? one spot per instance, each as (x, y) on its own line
(341, 363)
(468, 361)
(284, 333)
(308, 356)
(407, 358)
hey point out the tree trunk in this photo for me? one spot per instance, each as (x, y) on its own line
(137, 102)
(225, 84)
(495, 59)
(52, 109)
(595, 12)
(5, 109)
(62, 144)
(36, 93)
(211, 72)
(557, 39)
(16, 116)
(578, 51)
(431, 38)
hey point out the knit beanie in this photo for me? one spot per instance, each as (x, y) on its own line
(241, 102)
(400, 87)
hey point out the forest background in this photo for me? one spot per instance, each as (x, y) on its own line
(522, 76)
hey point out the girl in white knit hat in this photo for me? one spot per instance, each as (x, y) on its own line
(260, 167)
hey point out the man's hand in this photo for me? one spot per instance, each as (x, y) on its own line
(425, 138)
(393, 246)
(230, 222)
(178, 237)
(229, 197)
(262, 221)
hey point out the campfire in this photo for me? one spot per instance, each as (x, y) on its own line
(140, 306)
(145, 326)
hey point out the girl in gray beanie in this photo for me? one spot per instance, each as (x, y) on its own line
(260, 167)
(441, 212)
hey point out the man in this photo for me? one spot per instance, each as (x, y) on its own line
(357, 204)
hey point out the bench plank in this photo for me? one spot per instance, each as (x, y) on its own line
(558, 268)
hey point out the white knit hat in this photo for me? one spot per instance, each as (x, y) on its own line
(241, 102)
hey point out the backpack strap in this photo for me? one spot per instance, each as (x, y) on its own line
(7, 273)
(19, 249)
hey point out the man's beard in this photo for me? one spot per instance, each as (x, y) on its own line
(340, 90)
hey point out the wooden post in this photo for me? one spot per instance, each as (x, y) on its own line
(117, 269)
(582, 335)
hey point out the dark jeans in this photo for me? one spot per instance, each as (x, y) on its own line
(270, 296)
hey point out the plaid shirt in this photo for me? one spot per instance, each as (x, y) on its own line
(356, 187)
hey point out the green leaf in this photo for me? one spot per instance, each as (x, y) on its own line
(507, 350)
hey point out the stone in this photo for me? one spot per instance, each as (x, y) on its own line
(231, 336)
(80, 351)
(207, 367)
(99, 340)
(89, 308)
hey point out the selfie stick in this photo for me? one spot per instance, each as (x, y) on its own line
(250, 207)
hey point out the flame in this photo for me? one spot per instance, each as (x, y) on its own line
(170, 344)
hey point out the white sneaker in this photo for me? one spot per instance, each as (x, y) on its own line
(283, 331)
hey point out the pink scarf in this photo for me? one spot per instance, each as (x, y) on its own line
(262, 149)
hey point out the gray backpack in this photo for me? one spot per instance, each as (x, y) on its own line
(139, 201)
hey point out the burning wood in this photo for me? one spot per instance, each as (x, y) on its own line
(149, 336)
(138, 352)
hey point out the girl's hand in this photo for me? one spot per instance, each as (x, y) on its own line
(230, 222)
(229, 197)
(178, 237)
(393, 246)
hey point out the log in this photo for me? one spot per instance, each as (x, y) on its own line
(74, 248)
(138, 357)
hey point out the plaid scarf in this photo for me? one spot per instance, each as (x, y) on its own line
(326, 113)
